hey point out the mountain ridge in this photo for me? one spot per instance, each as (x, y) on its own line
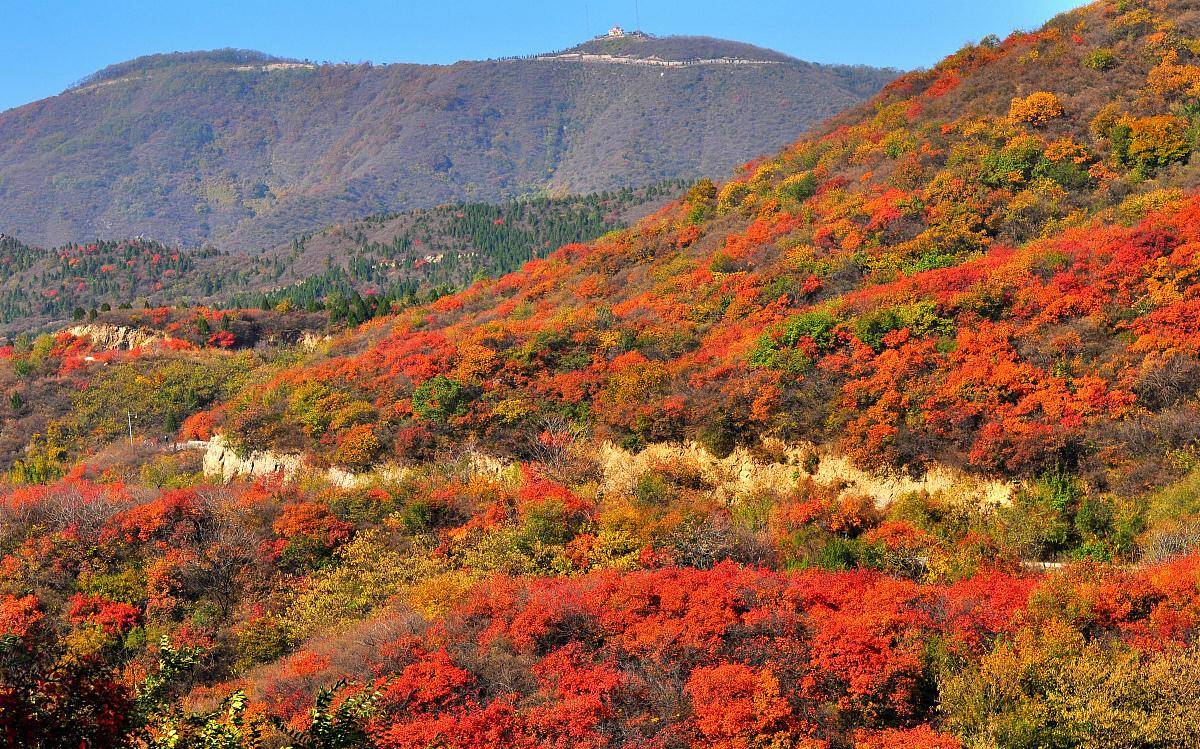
(146, 63)
(672, 47)
(240, 149)
(399, 255)
(678, 47)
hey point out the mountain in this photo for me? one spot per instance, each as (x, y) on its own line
(241, 150)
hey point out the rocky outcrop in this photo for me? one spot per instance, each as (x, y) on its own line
(733, 476)
(117, 337)
(220, 459)
(309, 342)
(741, 472)
(344, 479)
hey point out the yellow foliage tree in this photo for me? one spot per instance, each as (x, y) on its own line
(1037, 109)
(1049, 687)
(1157, 141)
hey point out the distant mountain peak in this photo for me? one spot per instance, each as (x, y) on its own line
(618, 42)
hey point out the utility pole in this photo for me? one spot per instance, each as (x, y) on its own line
(637, 16)
(129, 419)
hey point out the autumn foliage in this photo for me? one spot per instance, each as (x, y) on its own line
(613, 500)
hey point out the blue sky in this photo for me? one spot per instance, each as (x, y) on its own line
(49, 44)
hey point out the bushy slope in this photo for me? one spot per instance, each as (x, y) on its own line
(244, 150)
(438, 654)
(986, 266)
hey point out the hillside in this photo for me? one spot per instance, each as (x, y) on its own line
(890, 441)
(963, 234)
(397, 257)
(243, 150)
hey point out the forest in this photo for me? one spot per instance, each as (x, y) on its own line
(397, 257)
(892, 440)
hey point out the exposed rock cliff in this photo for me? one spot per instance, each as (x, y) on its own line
(220, 459)
(110, 337)
(731, 476)
(741, 472)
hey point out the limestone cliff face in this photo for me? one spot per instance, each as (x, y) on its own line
(731, 477)
(740, 472)
(112, 337)
(221, 460)
(309, 342)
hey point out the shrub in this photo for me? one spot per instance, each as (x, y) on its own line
(370, 571)
(872, 327)
(921, 319)
(718, 436)
(439, 398)
(732, 195)
(779, 350)
(1037, 109)
(723, 263)
(799, 187)
(548, 523)
(1013, 164)
(1069, 174)
(1155, 142)
(358, 447)
(701, 199)
(1100, 59)
(818, 325)
(1056, 690)
(424, 514)
(261, 640)
(652, 488)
